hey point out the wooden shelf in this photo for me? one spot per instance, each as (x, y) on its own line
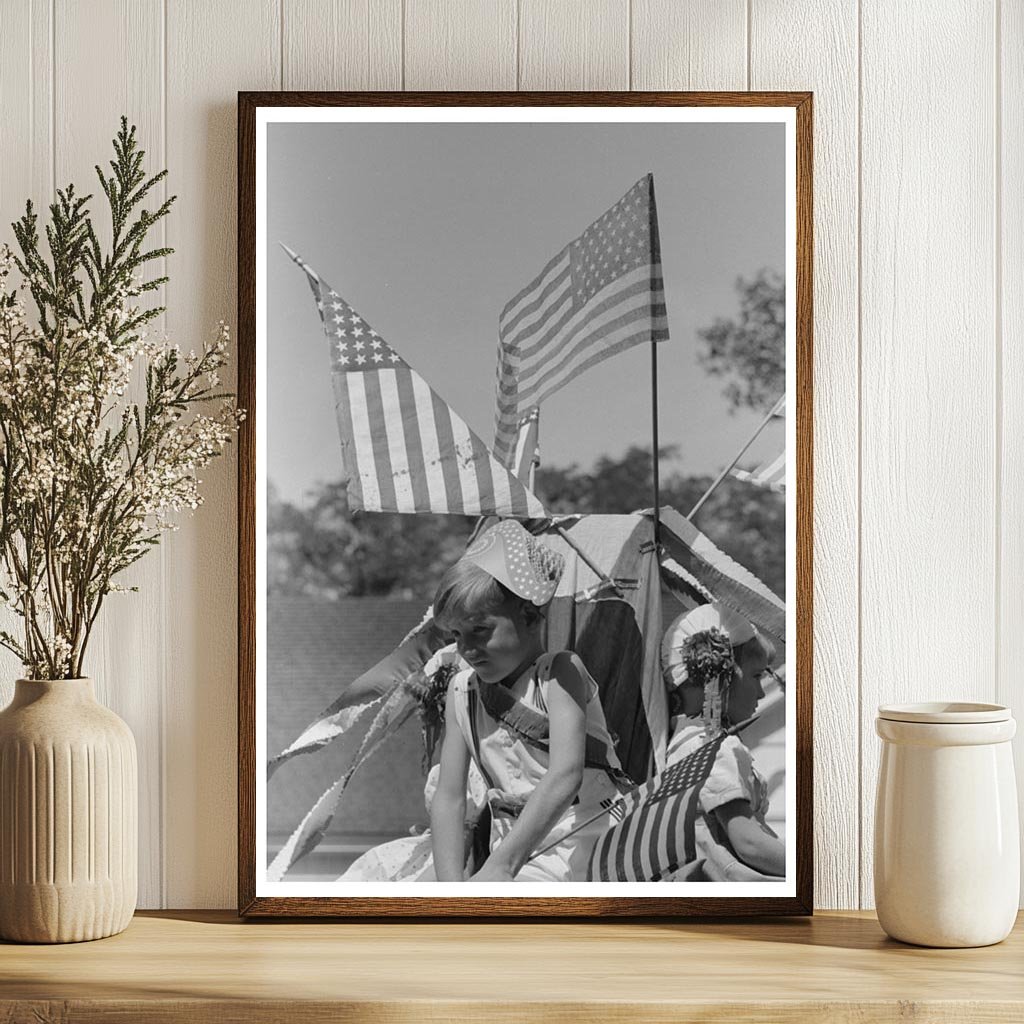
(210, 967)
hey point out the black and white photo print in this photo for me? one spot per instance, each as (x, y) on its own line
(525, 507)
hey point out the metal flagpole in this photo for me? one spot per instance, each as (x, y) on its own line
(739, 455)
(535, 455)
(654, 440)
(655, 255)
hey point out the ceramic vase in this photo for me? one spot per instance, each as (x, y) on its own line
(68, 815)
(947, 847)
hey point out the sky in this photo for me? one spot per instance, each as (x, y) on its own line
(427, 230)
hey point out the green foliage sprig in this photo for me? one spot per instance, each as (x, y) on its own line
(89, 477)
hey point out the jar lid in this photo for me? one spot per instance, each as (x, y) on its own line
(945, 712)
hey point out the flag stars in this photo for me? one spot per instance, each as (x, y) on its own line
(358, 331)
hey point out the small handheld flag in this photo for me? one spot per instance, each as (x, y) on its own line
(656, 829)
(405, 449)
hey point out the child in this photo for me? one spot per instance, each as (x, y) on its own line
(531, 722)
(713, 661)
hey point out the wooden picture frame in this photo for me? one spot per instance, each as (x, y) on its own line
(257, 897)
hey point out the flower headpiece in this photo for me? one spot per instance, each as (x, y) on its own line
(698, 650)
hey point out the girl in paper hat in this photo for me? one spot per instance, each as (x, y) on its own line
(713, 661)
(529, 720)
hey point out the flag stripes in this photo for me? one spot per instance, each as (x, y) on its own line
(636, 283)
(404, 448)
(655, 831)
(608, 328)
(601, 294)
(375, 432)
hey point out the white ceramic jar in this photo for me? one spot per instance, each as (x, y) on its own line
(947, 847)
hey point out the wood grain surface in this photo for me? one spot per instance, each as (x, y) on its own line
(342, 44)
(469, 45)
(208, 966)
(701, 44)
(575, 44)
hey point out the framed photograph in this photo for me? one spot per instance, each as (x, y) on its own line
(525, 504)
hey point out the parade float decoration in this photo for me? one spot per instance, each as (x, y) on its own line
(406, 450)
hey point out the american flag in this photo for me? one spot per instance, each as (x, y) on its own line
(656, 829)
(405, 449)
(603, 293)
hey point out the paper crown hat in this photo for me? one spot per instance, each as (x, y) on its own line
(514, 557)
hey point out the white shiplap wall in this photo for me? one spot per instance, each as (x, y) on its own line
(919, 306)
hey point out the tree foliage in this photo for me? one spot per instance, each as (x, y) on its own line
(326, 551)
(749, 351)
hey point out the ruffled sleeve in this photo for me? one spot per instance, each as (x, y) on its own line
(731, 778)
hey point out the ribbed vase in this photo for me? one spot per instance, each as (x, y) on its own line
(68, 815)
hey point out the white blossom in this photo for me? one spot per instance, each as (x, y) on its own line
(91, 468)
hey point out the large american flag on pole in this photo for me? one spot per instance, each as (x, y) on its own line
(404, 448)
(656, 829)
(603, 293)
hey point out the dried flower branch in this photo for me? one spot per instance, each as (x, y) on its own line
(88, 478)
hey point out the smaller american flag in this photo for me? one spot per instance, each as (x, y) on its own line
(655, 832)
(772, 473)
(405, 449)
